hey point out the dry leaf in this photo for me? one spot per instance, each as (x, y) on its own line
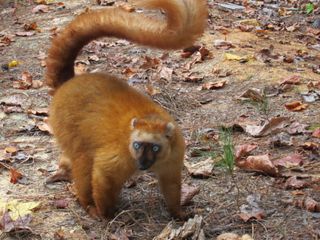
(30, 26)
(269, 127)
(260, 163)
(296, 106)
(289, 161)
(187, 52)
(11, 149)
(15, 175)
(316, 133)
(294, 183)
(25, 34)
(187, 193)
(252, 210)
(253, 94)
(40, 9)
(294, 80)
(151, 90)
(308, 203)
(201, 169)
(61, 203)
(213, 85)
(243, 150)
(166, 73)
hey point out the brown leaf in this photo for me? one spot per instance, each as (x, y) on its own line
(39, 111)
(187, 193)
(308, 203)
(30, 26)
(296, 106)
(260, 163)
(273, 125)
(297, 128)
(243, 150)
(44, 126)
(11, 150)
(251, 210)
(61, 203)
(166, 73)
(21, 224)
(316, 133)
(150, 63)
(40, 9)
(152, 90)
(253, 94)
(25, 34)
(15, 175)
(310, 146)
(292, 160)
(187, 52)
(200, 169)
(213, 85)
(294, 80)
(294, 183)
(204, 52)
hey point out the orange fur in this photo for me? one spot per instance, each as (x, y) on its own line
(100, 121)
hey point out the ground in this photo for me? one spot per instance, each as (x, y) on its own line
(277, 51)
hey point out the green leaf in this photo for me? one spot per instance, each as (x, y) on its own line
(309, 8)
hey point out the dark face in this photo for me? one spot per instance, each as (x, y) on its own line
(146, 153)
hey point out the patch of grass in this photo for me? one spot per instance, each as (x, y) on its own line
(228, 158)
(309, 8)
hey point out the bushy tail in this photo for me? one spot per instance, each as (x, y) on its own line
(186, 20)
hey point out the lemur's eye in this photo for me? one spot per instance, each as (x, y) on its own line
(136, 145)
(155, 148)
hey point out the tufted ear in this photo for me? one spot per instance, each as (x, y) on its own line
(133, 123)
(170, 128)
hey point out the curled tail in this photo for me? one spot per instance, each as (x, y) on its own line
(186, 20)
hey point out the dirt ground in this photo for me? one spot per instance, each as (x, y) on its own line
(278, 44)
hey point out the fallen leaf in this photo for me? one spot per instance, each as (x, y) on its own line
(296, 106)
(11, 149)
(25, 34)
(44, 126)
(18, 209)
(8, 225)
(204, 53)
(187, 193)
(150, 63)
(166, 73)
(121, 234)
(222, 44)
(151, 90)
(316, 133)
(233, 236)
(15, 175)
(289, 161)
(40, 9)
(244, 150)
(281, 139)
(30, 26)
(252, 210)
(310, 146)
(294, 80)
(213, 85)
(253, 94)
(308, 203)
(201, 169)
(61, 203)
(269, 127)
(294, 183)
(259, 163)
(187, 52)
(190, 230)
(297, 128)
